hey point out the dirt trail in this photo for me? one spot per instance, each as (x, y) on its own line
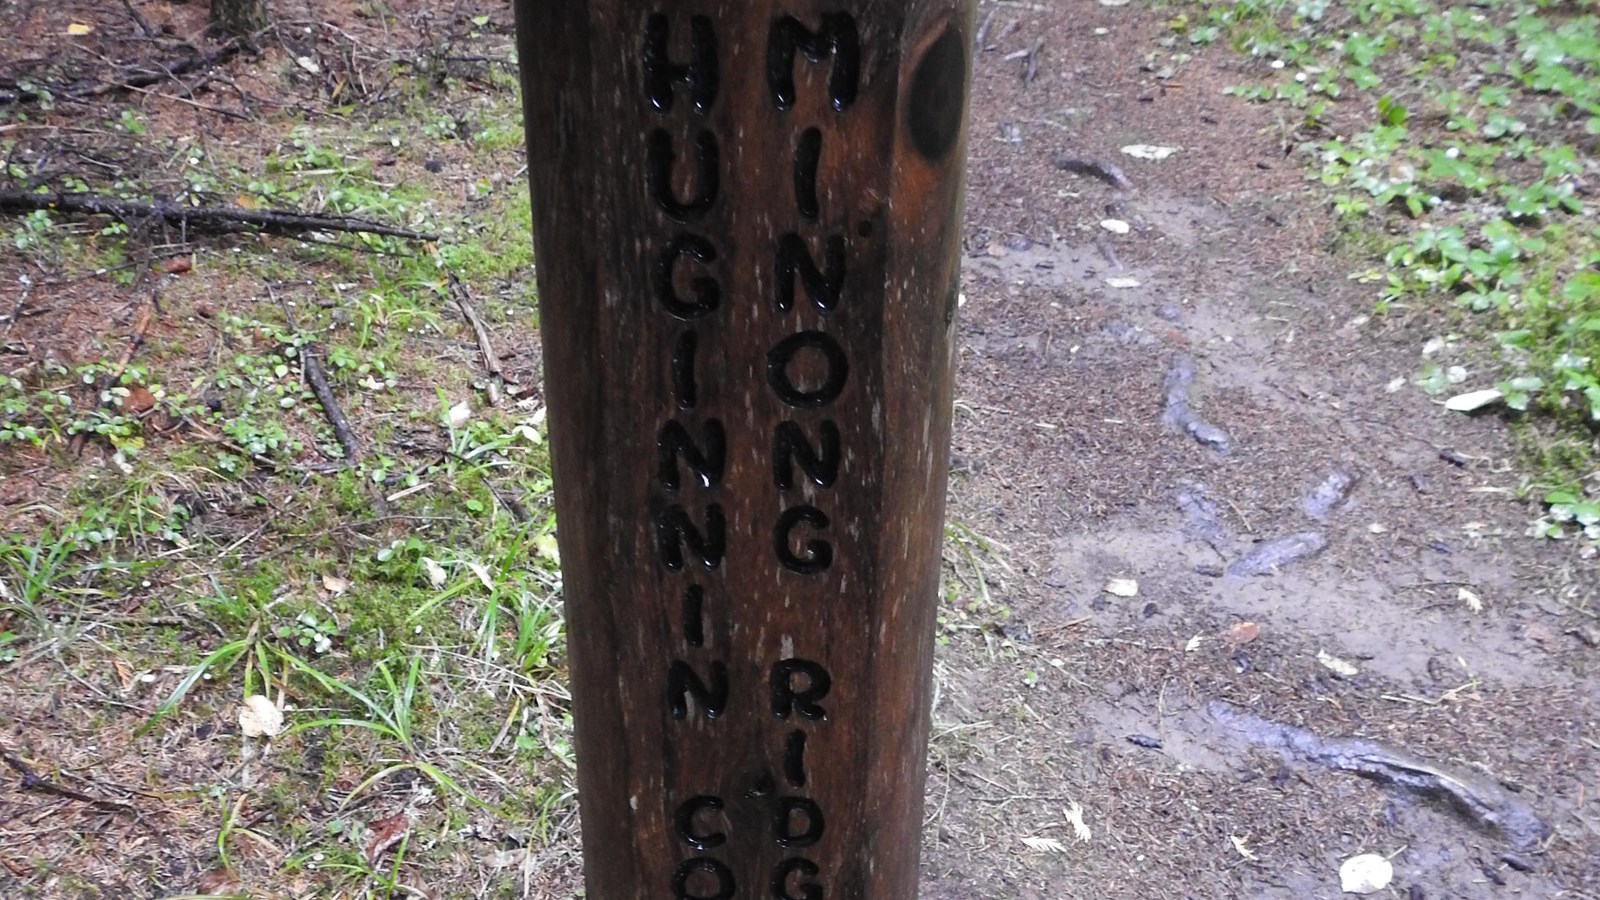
(1081, 454)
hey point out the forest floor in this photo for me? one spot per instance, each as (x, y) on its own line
(1229, 598)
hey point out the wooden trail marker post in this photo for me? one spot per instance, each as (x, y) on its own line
(747, 218)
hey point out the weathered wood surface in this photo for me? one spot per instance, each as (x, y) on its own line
(746, 218)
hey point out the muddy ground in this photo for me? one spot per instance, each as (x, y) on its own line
(1085, 450)
(1406, 674)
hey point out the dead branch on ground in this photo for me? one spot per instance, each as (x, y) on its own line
(312, 367)
(217, 219)
(14, 91)
(32, 782)
(491, 362)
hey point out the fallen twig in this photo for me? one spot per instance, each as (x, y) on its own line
(13, 92)
(1030, 63)
(1103, 244)
(491, 362)
(1110, 173)
(137, 341)
(324, 394)
(512, 505)
(110, 380)
(212, 218)
(22, 300)
(32, 782)
(139, 20)
(187, 101)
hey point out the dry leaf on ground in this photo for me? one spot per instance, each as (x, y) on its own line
(1080, 828)
(1473, 400)
(437, 576)
(1122, 587)
(1149, 151)
(260, 717)
(385, 833)
(1339, 667)
(1368, 873)
(1241, 633)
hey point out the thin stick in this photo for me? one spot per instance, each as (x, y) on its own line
(232, 114)
(144, 26)
(22, 300)
(1110, 173)
(32, 782)
(134, 343)
(12, 92)
(324, 394)
(205, 218)
(491, 362)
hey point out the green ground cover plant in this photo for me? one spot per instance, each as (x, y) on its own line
(1459, 140)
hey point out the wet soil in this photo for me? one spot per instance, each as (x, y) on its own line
(1217, 425)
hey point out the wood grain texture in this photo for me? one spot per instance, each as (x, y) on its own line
(747, 291)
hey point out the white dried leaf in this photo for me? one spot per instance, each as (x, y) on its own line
(437, 576)
(1368, 873)
(1123, 282)
(1194, 643)
(1115, 226)
(1337, 666)
(258, 717)
(1044, 845)
(1244, 851)
(1473, 400)
(482, 571)
(1472, 600)
(505, 859)
(1080, 828)
(1149, 151)
(1122, 587)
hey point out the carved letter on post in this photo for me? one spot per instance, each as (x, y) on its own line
(747, 218)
